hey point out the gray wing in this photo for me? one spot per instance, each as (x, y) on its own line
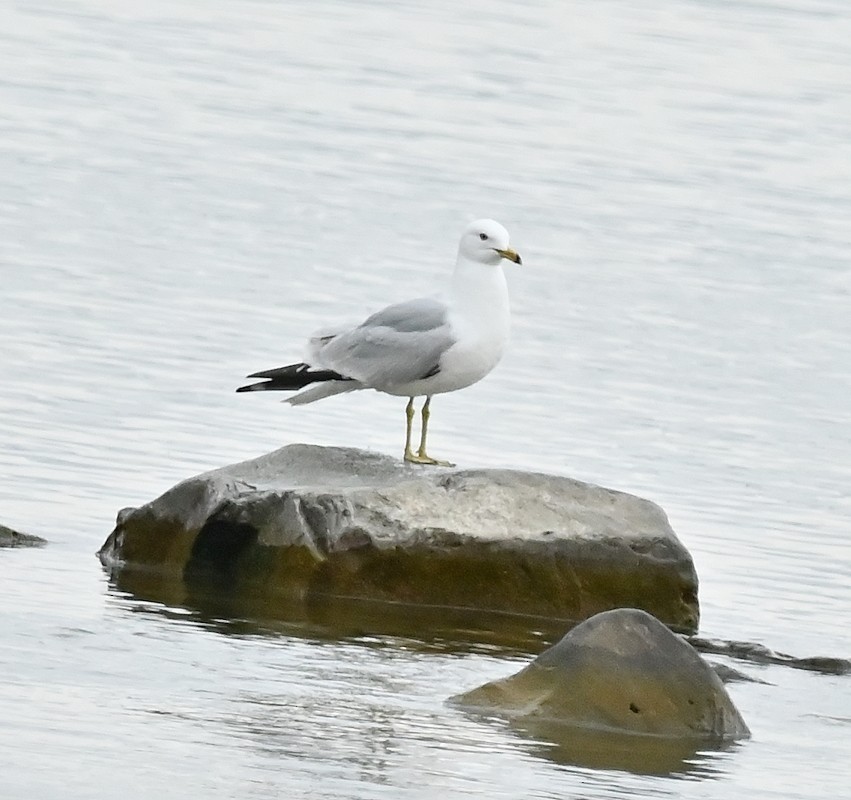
(422, 315)
(397, 345)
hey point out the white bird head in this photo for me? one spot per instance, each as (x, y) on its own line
(486, 241)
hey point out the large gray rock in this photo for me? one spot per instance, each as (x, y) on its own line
(621, 671)
(307, 522)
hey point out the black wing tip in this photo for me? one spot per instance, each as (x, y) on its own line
(290, 378)
(280, 372)
(278, 378)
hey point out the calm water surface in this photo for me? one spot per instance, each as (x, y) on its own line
(190, 188)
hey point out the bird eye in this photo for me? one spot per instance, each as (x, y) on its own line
(483, 237)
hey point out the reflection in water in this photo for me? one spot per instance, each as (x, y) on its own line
(643, 755)
(327, 617)
(428, 628)
(278, 726)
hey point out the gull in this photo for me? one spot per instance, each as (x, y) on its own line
(416, 348)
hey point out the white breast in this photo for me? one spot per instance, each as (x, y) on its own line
(480, 320)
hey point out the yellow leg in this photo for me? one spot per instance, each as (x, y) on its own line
(409, 414)
(421, 457)
(426, 413)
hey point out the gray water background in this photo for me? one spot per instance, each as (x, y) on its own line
(189, 189)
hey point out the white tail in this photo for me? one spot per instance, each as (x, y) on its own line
(322, 391)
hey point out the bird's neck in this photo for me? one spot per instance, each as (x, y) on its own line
(480, 290)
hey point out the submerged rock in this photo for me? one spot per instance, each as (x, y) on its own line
(11, 538)
(621, 671)
(730, 674)
(760, 654)
(308, 522)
